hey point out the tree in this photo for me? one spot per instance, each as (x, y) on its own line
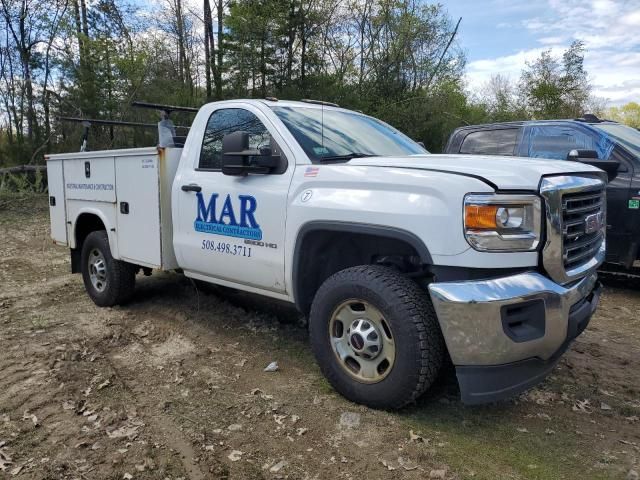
(23, 25)
(500, 99)
(556, 88)
(25, 60)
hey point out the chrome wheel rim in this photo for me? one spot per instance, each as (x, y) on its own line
(362, 341)
(97, 270)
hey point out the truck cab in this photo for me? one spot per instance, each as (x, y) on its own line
(399, 258)
(603, 143)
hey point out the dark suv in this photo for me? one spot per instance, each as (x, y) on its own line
(608, 145)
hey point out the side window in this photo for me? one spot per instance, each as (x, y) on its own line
(228, 120)
(555, 142)
(490, 142)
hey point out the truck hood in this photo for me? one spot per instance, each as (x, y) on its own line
(506, 173)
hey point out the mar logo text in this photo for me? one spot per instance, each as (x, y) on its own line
(227, 217)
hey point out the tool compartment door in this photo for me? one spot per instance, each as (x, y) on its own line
(91, 177)
(57, 210)
(138, 208)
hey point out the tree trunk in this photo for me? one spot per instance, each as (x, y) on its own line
(181, 49)
(253, 69)
(303, 44)
(47, 72)
(219, 63)
(31, 116)
(207, 53)
(76, 15)
(11, 100)
(85, 23)
(23, 44)
(85, 82)
(207, 47)
(363, 21)
(263, 65)
(109, 85)
(9, 121)
(291, 39)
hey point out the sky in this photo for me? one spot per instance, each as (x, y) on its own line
(500, 36)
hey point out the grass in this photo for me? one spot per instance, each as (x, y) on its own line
(28, 182)
(39, 322)
(485, 443)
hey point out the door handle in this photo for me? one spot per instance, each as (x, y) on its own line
(191, 188)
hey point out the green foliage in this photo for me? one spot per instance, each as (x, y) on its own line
(23, 183)
(629, 114)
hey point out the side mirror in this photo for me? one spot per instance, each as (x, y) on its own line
(576, 155)
(239, 160)
(590, 157)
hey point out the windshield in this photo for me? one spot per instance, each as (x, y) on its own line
(627, 137)
(340, 135)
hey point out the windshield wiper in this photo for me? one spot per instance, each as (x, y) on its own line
(346, 157)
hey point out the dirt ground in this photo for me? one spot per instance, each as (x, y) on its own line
(172, 386)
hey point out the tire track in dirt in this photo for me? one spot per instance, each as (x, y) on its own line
(8, 369)
(31, 409)
(16, 380)
(25, 293)
(161, 424)
(26, 388)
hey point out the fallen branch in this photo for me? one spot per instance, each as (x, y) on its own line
(23, 169)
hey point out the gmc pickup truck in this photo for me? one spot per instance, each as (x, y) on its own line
(401, 259)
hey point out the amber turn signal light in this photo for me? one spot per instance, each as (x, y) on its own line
(480, 217)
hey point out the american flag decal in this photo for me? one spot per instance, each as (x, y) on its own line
(312, 171)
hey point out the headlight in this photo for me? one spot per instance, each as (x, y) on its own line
(502, 223)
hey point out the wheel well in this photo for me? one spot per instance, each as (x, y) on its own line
(85, 224)
(320, 253)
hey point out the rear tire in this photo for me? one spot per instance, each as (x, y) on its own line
(375, 336)
(108, 281)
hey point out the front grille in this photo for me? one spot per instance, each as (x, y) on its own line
(575, 207)
(578, 245)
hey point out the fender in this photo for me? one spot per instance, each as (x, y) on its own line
(352, 227)
(111, 229)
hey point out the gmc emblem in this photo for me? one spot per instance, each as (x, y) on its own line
(593, 222)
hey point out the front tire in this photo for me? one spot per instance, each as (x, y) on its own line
(108, 281)
(375, 336)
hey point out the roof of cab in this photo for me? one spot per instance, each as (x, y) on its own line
(271, 102)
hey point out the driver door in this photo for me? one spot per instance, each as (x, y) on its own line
(228, 227)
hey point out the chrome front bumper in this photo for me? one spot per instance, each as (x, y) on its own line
(505, 335)
(471, 316)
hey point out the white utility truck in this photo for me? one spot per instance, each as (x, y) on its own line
(400, 258)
